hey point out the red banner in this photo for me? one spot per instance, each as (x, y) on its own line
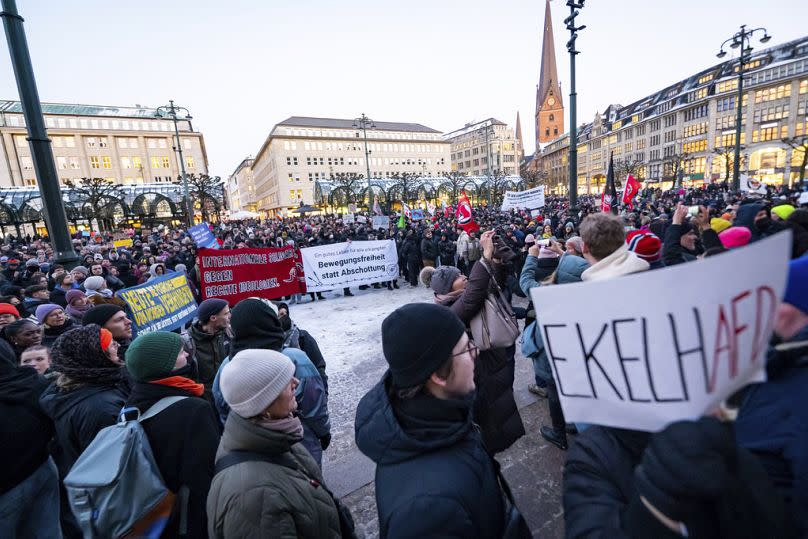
(236, 274)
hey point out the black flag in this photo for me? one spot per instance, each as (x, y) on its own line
(609, 199)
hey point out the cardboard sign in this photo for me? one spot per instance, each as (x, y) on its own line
(524, 200)
(645, 350)
(331, 267)
(126, 242)
(236, 274)
(348, 218)
(381, 221)
(752, 185)
(163, 304)
(203, 237)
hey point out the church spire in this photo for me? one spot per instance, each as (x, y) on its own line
(549, 105)
(518, 128)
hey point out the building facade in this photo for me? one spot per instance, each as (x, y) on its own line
(686, 132)
(484, 148)
(241, 187)
(300, 151)
(128, 145)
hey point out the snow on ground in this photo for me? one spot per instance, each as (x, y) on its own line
(348, 330)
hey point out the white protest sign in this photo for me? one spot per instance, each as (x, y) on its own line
(524, 200)
(348, 218)
(381, 221)
(645, 350)
(361, 219)
(330, 267)
(752, 185)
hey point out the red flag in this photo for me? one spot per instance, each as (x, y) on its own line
(465, 219)
(631, 190)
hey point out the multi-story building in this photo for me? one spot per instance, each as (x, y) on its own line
(687, 130)
(299, 151)
(128, 145)
(241, 187)
(483, 148)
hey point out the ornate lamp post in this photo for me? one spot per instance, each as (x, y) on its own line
(171, 110)
(573, 151)
(741, 39)
(364, 123)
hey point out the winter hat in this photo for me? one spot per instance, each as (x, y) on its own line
(530, 238)
(32, 262)
(719, 224)
(100, 314)
(253, 379)
(797, 284)
(153, 355)
(646, 245)
(95, 283)
(181, 267)
(735, 236)
(82, 269)
(577, 243)
(208, 308)
(78, 355)
(255, 324)
(8, 308)
(44, 267)
(544, 252)
(783, 211)
(74, 294)
(440, 279)
(43, 311)
(417, 339)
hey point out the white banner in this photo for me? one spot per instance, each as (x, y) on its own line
(524, 200)
(331, 267)
(621, 360)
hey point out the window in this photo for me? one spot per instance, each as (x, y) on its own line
(552, 117)
(94, 162)
(768, 114)
(155, 162)
(189, 161)
(728, 103)
(728, 139)
(30, 181)
(126, 162)
(695, 146)
(670, 136)
(166, 162)
(151, 143)
(639, 130)
(654, 154)
(107, 161)
(92, 142)
(655, 125)
(74, 163)
(696, 129)
(770, 132)
(641, 143)
(701, 93)
(102, 142)
(669, 120)
(706, 78)
(695, 166)
(26, 163)
(161, 143)
(695, 113)
(654, 140)
(772, 93)
(726, 86)
(136, 163)
(803, 87)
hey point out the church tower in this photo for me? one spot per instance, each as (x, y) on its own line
(549, 105)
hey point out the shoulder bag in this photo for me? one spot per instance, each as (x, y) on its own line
(495, 325)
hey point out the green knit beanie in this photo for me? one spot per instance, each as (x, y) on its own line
(153, 355)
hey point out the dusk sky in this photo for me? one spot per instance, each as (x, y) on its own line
(243, 65)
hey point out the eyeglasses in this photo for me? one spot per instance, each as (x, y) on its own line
(471, 349)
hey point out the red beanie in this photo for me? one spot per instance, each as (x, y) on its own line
(645, 244)
(8, 308)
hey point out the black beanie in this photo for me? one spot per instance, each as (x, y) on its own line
(255, 324)
(417, 339)
(209, 307)
(100, 314)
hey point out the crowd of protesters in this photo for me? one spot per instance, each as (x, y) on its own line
(243, 447)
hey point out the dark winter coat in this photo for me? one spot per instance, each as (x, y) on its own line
(438, 482)
(772, 423)
(211, 349)
(25, 430)
(429, 251)
(495, 408)
(263, 499)
(447, 250)
(672, 251)
(50, 334)
(183, 439)
(78, 415)
(58, 296)
(410, 251)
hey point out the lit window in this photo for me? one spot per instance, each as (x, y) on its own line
(189, 161)
(166, 162)
(107, 161)
(155, 162)
(94, 162)
(136, 163)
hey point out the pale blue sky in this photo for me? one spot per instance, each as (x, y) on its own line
(243, 65)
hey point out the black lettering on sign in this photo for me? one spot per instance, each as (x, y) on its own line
(589, 358)
(623, 359)
(554, 358)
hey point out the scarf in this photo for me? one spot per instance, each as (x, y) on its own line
(183, 383)
(428, 418)
(78, 312)
(448, 299)
(288, 425)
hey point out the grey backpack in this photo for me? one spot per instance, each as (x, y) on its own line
(115, 488)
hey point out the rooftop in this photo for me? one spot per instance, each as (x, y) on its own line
(471, 127)
(83, 110)
(338, 123)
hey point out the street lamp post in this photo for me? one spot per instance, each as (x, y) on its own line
(489, 131)
(171, 111)
(364, 123)
(741, 39)
(573, 151)
(53, 208)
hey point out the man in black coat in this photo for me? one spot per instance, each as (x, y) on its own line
(433, 475)
(411, 253)
(429, 250)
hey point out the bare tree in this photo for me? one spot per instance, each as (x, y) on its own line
(99, 194)
(534, 176)
(495, 185)
(673, 165)
(727, 154)
(407, 184)
(799, 144)
(454, 182)
(207, 191)
(347, 184)
(628, 165)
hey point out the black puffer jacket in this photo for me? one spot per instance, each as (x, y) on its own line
(183, 439)
(429, 250)
(24, 429)
(495, 408)
(78, 415)
(210, 350)
(433, 480)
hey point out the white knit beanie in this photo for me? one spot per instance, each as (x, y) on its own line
(96, 282)
(253, 379)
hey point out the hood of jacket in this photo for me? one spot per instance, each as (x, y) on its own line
(381, 438)
(621, 262)
(745, 216)
(570, 269)
(243, 435)
(56, 403)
